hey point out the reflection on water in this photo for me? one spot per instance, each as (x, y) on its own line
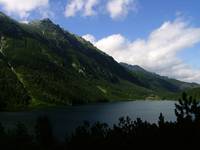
(65, 119)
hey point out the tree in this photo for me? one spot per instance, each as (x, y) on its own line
(2, 130)
(43, 132)
(187, 110)
(161, 121)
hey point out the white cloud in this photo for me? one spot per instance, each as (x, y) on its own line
(90, 38)
(89, 7)
(159, 52)
(113, 42)
(115, 8)
(86, 7)
(120, 8)
(24, 21)
(23, 7)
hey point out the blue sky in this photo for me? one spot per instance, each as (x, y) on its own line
(133, 31)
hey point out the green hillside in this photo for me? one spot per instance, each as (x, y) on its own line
(13, 95)
(42, 64)
(194, 93)
(168, 87)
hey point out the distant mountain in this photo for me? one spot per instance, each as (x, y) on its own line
(158, 83)
(42, 64)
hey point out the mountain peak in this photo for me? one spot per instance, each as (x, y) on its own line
(133, 67)
(48, 27)
(45, 21)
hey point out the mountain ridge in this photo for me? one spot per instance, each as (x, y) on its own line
(58, 67)
(139, 70)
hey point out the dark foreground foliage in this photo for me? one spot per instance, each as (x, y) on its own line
(127, 134)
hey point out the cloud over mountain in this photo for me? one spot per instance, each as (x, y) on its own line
(23, 8)
(159, 52)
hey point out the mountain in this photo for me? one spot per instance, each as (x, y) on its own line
(159, 83)
(42, 64)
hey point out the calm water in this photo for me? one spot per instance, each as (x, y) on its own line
(65, 119)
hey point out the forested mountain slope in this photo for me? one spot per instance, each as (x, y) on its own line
(43, 64)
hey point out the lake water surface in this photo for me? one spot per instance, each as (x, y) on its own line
(65, 119)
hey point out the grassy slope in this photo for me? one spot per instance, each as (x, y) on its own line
(57, 67)
(49, 79)
(194, 92)
(168, 88)
(12, 93)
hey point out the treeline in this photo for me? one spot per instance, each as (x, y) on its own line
(127, 134)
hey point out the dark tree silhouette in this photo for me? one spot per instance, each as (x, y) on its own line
(188, 109)
(161, 121)
(44, 133)
(2, 130)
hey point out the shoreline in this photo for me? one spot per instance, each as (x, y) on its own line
(54, 106)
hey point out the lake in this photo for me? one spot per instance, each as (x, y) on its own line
(65, 119)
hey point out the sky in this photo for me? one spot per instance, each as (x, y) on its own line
(160, 36)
